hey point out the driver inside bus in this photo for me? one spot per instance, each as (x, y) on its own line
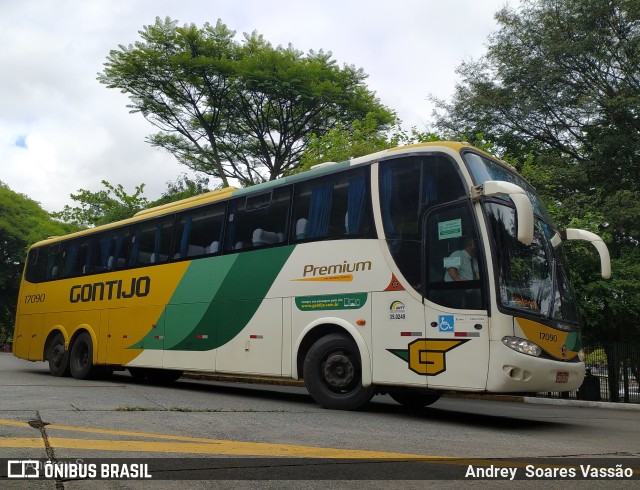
(462, 265)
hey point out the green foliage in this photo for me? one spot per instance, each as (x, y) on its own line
(360, 137)
(22, 223)
(558, 94)
(242, 110)
(102, 207)
(114, 204)
(182, 188)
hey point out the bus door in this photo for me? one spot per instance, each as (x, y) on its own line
(454, 353)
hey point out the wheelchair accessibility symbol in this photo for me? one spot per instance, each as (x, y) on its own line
(445, 323)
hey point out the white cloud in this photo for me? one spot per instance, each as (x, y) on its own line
(77, 132)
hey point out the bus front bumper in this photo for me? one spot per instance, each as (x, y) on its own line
(513, 372)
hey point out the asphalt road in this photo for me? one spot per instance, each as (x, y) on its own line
(244, 436)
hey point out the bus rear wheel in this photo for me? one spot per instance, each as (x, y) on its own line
(333, 375)
(58, 356)
(81, 359)
(414, 399)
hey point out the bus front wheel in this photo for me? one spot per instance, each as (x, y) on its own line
(333, 375)
(81, 359)
(58, 356)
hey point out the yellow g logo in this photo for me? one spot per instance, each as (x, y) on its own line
(427, 356)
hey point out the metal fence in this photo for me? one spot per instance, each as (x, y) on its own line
(613, 371)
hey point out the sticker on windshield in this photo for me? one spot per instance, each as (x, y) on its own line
(450, 229)
(455, 262)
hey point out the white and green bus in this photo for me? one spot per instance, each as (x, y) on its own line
(411, 272)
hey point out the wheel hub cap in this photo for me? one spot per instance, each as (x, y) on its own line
(338, 371)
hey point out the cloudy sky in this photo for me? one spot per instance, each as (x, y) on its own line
(61, 130)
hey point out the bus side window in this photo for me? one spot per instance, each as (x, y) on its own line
(198, 232)
(453, 262)
(36, 269)
(151, 242)
(87, 257)
(79, 259)
(337, 206)
(258, 221)
(55, 261)
(113, 250)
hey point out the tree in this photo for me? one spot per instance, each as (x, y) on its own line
(361, 137)
(114, 204)
(561, 76)
(242, 110)
(559, 93)
(182, 188)
(22, 223)
(102, 207)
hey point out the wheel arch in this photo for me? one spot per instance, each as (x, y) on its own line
(53, 331)
(88, 329)
(325, 326)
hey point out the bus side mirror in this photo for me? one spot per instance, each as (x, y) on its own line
(596, 241)
(518, 196)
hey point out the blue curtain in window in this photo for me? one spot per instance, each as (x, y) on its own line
(51, 261)
(320, 210)
(70, 262)
(430, 184)
(386, 188)
(230, 232)
(136, 247)
(356, 204)
(186, 233)
(105, 245)
(157, 246)
(118, 252)
(88, 260)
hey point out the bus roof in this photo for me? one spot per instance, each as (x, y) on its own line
(230, 192)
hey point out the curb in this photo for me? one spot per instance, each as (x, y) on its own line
(581, 403)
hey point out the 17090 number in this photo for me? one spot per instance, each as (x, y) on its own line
(35, 298)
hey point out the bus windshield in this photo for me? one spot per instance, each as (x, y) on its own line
(483, 169)
(531, 278)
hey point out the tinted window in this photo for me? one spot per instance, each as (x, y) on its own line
(80, 257)
(199, 232)
(408, 186)
(453, 262)
(113, 247)
(258, 221)
(337, 206)
(151, 242)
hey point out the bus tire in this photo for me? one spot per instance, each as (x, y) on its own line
(81, 358)
(414, 400)
(333, 375)
(58, 356)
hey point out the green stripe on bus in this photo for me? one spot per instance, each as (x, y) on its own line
(217, 298)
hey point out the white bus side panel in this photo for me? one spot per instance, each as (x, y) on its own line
(398, 320)
(257, 349)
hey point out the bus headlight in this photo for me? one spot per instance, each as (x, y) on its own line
(522, 345)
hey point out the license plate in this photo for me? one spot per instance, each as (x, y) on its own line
(562, 377)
